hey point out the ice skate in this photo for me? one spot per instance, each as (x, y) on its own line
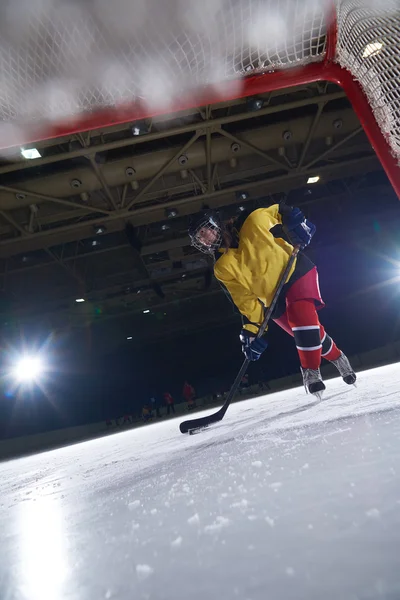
(313, 382)
(344, 367)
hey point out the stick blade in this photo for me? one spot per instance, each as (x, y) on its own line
(194, 425)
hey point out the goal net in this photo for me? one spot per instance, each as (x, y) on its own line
(73, 66)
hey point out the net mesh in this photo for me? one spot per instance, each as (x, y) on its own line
(369, 47)
(60, 59)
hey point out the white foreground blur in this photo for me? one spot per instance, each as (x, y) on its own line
(285, 499)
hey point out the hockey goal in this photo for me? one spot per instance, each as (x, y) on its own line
(71, 67)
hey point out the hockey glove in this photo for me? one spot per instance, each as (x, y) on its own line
(252, 347)
(298, 229)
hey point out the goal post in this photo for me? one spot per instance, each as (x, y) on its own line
(45, 93)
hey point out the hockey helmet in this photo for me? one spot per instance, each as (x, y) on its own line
(205, 232)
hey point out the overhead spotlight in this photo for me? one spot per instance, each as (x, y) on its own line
(28, 369)
(140, 127)
(171, 213)
(135, 185)
(314, 179)
(241, 208)
(95, 243)
(30, 153)
(99, 229)
(242, 195)
(146, 312)
(80, 300)
(165, 227)
(372, 49)
(254, 104)
(129, 337)
(84, 196)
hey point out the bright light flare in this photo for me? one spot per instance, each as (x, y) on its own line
(372, 49)
(28, 369)
(30, 153)
(313, 179)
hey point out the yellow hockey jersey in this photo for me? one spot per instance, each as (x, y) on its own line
(251, 271)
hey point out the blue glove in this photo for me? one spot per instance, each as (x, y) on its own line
(298, 229)
(252, 347)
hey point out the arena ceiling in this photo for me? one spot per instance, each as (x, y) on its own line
(63, 215)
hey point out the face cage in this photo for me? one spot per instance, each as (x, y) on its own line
(207, 248)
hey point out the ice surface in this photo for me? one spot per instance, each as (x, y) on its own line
(284, 499)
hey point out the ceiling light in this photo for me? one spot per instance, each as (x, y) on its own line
(84, 196)
(95, 243)
(145, 312)
(100, 229)
(129, 337)
(171, 213)
(242, 195)
(135, 185)
(254, 104)
(314, 179)
(140, 127)
(30, 153)
(372, 49)
(165, 227)
(241, 208)
(79, 300)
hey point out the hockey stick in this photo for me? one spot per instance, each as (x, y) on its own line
(195, 424)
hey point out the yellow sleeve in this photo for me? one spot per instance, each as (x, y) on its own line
(247, 303)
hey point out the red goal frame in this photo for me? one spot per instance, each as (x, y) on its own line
(327, 70)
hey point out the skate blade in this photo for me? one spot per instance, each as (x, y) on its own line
(318, 395)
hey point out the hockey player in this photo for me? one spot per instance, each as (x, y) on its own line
(250, 255)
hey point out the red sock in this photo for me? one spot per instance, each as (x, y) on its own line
(304, 323)
(329, 349)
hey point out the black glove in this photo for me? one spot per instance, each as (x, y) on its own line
(298, 229)
(252, 347)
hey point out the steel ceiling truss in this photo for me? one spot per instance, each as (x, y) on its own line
(71, 222)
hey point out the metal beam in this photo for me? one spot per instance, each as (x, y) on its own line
(46, 198)
(140, 139)
(254, 149)
(103, 182)
(334, 147)
(208, 160)
(191, 204)
(163, 169)
(67, 268)
(14, 224)
(313, 127)
(198, 181)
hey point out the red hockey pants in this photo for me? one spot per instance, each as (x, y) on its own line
(301, 321)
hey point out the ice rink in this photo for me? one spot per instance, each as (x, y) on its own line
(284, 499)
